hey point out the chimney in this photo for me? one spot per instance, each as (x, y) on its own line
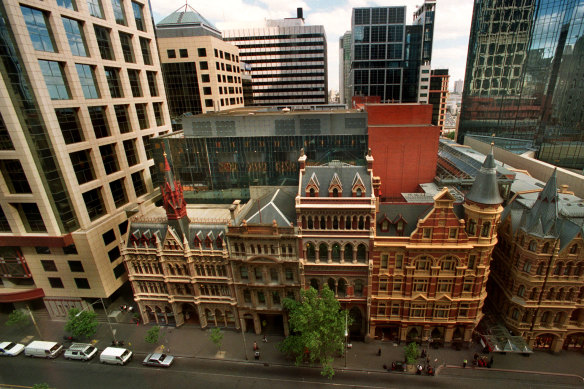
(299, 13)
(302, 159)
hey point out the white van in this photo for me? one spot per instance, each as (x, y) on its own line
(82, 351)
(42, 349)
(115, 356)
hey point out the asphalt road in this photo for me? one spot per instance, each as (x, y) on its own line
(208, 373)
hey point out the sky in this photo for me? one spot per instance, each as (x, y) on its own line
(451, 30)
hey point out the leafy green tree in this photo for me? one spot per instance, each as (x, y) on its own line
(412, 353)
(216, 336)
(41, 386)
(82, 323)
(450, 135)
(17, 317)
(152, 335)
(317, 327)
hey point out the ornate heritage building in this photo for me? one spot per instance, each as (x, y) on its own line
(538, 268)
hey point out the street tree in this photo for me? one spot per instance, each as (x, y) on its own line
(152, 335)
(412, 353)
(216, 336)
(17, 318)
(81, 323)
(317, 326)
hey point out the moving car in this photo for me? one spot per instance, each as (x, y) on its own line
(11, 349)
(158, 360)
(81, 351)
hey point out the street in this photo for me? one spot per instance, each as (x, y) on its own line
(210, 373)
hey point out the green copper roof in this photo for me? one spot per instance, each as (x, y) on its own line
(183, 16)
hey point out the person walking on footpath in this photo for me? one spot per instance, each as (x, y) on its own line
(464, 364)
(255, 346)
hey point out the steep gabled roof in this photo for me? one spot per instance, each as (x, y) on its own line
(542, 219)
(485, 189)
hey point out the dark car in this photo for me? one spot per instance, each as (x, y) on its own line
(398, 366)
(158, 360)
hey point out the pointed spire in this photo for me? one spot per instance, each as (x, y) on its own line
(543, 216)
(168, 176)
(485, 189)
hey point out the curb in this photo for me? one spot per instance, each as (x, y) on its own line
(519, 371)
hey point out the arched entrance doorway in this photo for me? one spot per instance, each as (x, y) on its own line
(356, 327)
(190, 314)
(574, 341)
(544, 341)
(414, 335)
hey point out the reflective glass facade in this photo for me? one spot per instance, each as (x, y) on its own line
(524, 76)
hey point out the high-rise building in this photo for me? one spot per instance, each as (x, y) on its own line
(288, 61)
(345, 68)
(201, 72)
(80, 95)
(438, 96)
(523, 66)
(389, 58)
(458, 85)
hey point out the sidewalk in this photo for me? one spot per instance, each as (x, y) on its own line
(189, 341)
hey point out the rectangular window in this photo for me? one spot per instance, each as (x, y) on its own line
(112, 76)
(31, 217)
(4, 225)
(86, 75)
(114, 254)
(145, 46)
(467, 285)
(69, 4)
(74, 31)
(123, 118)
(38, 29)
(138, 182)
(399, 258)
(152, 83)
(119, 270)
(147, 146)
(157, 107)
(463, 309)
(56, 283)
(171, 53)
(384, 261)
(418, 310)
(276, 298)
(81, 163)
(274, 275)
(5, 141)
(453, 233)
(420, 285)
(102, 35)
(258, 274)
(138, 16)
(444, 286)
(427, 233)
(397, 285)
(441, 311)
(243, 273)
(95, 8)
(130, 149)
(141, 112)
(55, 80)
(82, 283)
(109, 158)
(99, 122)
(134, 76)
(70, 250)
(202, 52)
(118, 190)
(471, 261)
(289, 274)
(247, 296)
(123, 227)
(94, 203)
(14, 176)
(205, 78)
(395, 309)
(207, 90)
(127, 49)
(203, 65)
(42, 250)
(208, 103)
(383, 285)
(76, 266)
(261, 297)
(183, 53)
(119, 13)
(48, 265)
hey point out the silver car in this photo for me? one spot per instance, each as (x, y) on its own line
(158, 360)
(10, 349)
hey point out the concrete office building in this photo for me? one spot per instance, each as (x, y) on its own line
(288, 60)
(345, 68)
(201, 72)
(80, 95)
(524, 77)
(438, 96)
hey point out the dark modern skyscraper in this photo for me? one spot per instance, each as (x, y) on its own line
(524, 76)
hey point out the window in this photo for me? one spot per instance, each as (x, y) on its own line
(441, 311)
(444, 286)
(521, 291)
(417, 310)
(14, 176)
(119, 13)
(127, 49)
(76, 266)
(99, 121)
(276, 298)
(109, 158)
(183, 53)
(145, 46)
(243, 273)
(157, 107)
(261, 297)
(420, 285)
(108, 237)
(468, 284)
(142, 116)
(48, 265)
(94, 203)
(463, 309)
(69, 4)
(247, 295)
(289, 274)
(274, 277)
(82, 283)
(55, 80)
(258, 274)
(31, 217)
(539, 270)
(208, 103)
(112, 76)
(118, 190)
(398, 261)
(123, 118)
(81, 162)
(427, 233)
(527, 267)
(472, 227)
(448, 264)
(56, 283)
(95, 8)
(207, 90)
(423, 263)
(74, 29)
(134, 76)
(453, 233)
(138, 16)
(471, 261)
(152, 84)
(383, 284)
(397, 284)
(114, 254)
(138, 182)
(102, 35)
(203, 65)
(70, 250)
(119, 270)
(130, 150)
(42, 250)
(86, 75)
(38, 30)
(205, 78)
(171, 53)
(384, 261)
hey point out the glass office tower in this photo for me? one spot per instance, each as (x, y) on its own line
(524, 76)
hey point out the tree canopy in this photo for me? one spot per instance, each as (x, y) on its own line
(216, 336)
(317, 326)
(82, 323)
(17, 317)
(152, 335)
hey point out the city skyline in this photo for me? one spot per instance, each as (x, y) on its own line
(450, 36)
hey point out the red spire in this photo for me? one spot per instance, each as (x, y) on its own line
(166, 165)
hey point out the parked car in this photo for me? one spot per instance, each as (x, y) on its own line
(158, 360)
(115, 356)
(398, 366)
(42, 349)
(81, 351)
(11, 349)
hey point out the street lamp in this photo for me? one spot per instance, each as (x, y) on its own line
(346, 335)
(106, 317)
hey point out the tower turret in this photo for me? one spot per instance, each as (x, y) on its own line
(174, 201)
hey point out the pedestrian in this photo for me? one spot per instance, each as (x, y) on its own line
(491, 362)
(255, 346)
(379, 352)
(464, 364)
(265, 339)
